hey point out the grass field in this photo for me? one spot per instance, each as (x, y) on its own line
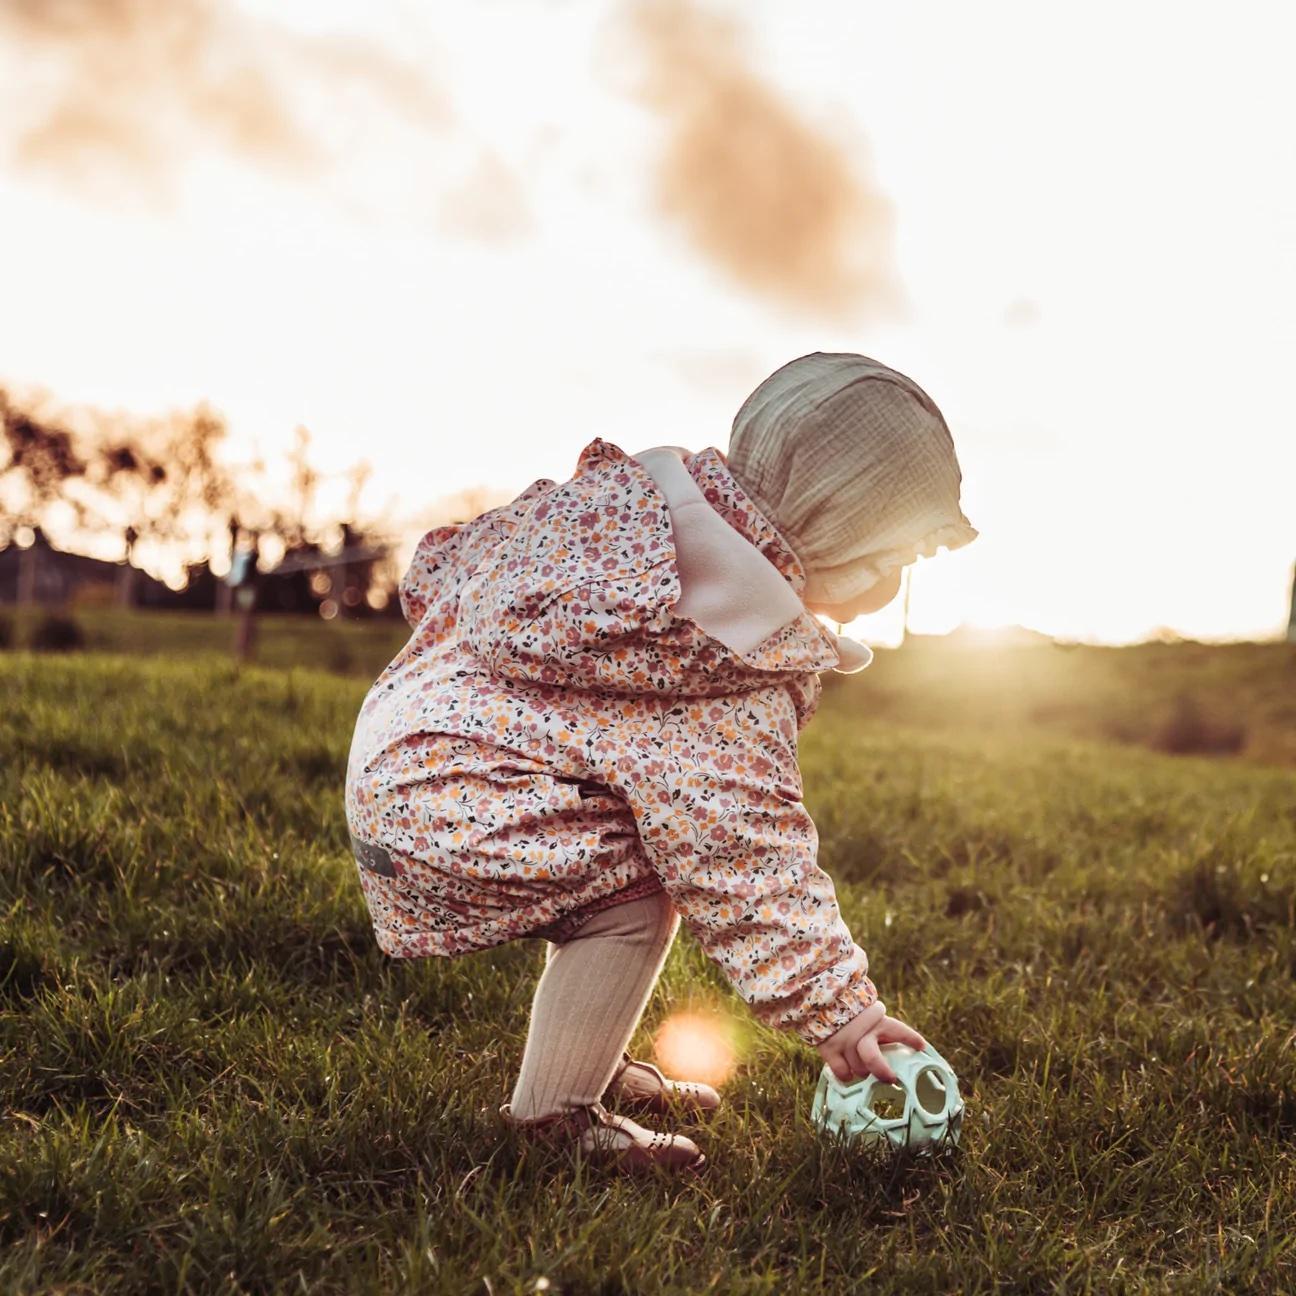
(211, 1081)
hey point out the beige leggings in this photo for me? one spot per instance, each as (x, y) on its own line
(589, 1000)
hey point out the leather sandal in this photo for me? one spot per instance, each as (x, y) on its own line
(642, 1085)
(611, 1139)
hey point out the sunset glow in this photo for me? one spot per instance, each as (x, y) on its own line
(697, 1046)
(460, 258)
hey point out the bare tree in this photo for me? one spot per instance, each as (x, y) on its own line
(160, 482)
(160, 485)
(41, 460)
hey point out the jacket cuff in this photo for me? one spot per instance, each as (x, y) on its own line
(847, 1004)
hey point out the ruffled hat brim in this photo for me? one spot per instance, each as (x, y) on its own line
(843, 584)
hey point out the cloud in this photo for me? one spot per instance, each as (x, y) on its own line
(124, 90)
(490, 205)
(778, 203)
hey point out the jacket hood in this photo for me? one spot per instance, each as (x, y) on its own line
(573, 583)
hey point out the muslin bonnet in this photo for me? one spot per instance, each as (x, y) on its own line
(854, 464)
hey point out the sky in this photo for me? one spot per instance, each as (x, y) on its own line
(459, 242)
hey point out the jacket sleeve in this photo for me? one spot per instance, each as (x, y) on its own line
(717, 801)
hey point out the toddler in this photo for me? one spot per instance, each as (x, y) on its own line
(591, 734)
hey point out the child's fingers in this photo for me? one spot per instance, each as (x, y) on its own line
(838, 1065)
(870, 1055)
(892, 1031)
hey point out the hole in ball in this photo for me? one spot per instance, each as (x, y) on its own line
(887, 1101)
(930, 1091)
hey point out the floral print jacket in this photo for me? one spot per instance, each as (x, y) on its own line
(553, 739)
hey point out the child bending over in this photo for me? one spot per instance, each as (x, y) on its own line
(591, 734)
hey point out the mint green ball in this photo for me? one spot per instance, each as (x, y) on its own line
(923, 1112)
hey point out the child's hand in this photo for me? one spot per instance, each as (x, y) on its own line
(855, 1050)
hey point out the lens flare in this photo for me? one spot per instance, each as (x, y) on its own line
(697, 1046)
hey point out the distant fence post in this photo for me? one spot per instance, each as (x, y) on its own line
(242, 580)
(27, 560)
(1291, 616)
(224, 603)
(245, 627)
(126, 576)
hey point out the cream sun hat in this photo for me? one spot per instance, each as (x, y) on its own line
(855, 466)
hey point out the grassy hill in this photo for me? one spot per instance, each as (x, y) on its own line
(1234, 699)
(1180, 698)
(210, 1080)
(288, 642)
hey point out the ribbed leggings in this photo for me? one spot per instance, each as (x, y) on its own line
(590, 997)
